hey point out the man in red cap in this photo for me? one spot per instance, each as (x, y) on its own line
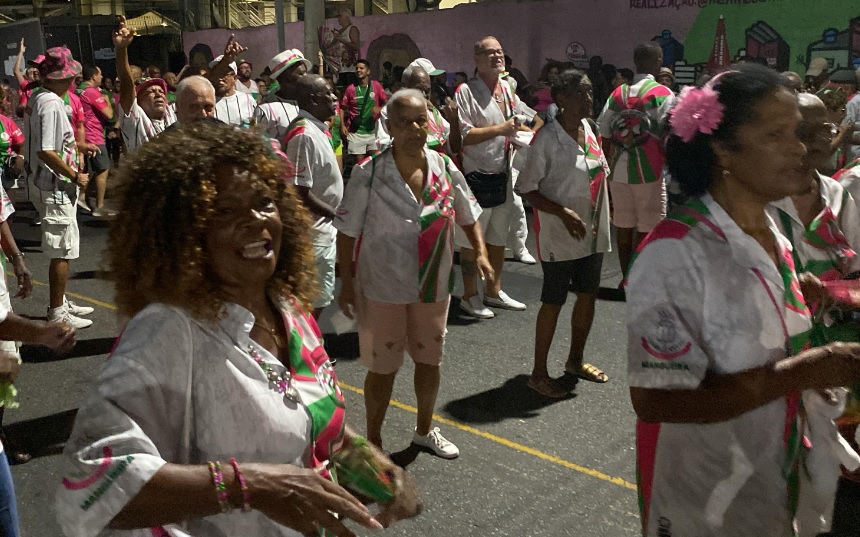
(54, 167)
(144, 111)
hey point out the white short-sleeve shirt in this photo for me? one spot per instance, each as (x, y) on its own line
(48, 129)
(137, 128)
(236, 109)
(315, 166)
(839, 217)
(705, 298)
(274, 116)
(558, 168)
(406, 247)
(183, 391)
(477, 108)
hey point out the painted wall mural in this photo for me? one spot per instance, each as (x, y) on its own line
(784, 34)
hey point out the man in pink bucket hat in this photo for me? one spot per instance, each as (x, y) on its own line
(54, 167)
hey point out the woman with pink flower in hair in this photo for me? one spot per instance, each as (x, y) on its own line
(718, 327)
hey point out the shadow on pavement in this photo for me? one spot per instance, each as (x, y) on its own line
(44, 436)
(90, 275)
(405, 457)
(36, 354)
(342, 346)
(456, 317)
(513, 399)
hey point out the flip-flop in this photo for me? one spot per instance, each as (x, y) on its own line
(588, 372)
(547, 388)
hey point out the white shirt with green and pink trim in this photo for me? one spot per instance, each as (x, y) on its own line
(704, 298)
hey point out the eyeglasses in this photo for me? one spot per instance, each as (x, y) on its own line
(491, 52)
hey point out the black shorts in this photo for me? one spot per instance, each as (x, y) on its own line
(100, 162)
(579, 275)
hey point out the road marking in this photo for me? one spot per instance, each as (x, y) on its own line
(445, 421)
(508, 443)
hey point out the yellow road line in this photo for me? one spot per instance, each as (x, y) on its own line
(508, 443)
(445, 421)
(79, 297)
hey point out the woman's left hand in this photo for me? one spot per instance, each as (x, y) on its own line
(813, 290)
(407, 500)
(25, 281)
(485, 269)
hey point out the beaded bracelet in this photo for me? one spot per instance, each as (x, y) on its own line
(220, 485)
(246, 494)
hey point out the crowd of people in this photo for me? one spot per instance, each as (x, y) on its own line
(244, 201)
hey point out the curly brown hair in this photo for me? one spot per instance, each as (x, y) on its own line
(155, 250)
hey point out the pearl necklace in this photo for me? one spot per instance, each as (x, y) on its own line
(283, 383)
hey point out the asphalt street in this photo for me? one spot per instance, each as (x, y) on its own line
(529, 466)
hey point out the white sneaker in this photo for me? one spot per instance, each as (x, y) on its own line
(438, 444)
(74, 309)
(104, 212)
(525, 257)
(62, 315)
(476, 308)
(504, 302)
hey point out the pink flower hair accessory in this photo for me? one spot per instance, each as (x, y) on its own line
(698, 110)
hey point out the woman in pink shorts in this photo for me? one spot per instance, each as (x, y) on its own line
(399, 209)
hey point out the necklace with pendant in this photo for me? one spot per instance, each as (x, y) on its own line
(279, 341)
(283, 382)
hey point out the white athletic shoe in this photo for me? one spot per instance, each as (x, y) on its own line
(523, 256)
(504, 302)
(438, 444)
(76, 310)
(476, 308)
(62, 315)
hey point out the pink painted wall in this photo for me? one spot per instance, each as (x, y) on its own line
(529, 31)
(532, 30)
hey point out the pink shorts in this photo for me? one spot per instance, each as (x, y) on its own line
(639, 206)
(385, 331)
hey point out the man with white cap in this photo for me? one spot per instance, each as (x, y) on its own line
(278, 109)
(244, 82)
(232, 106)
(144, 112)
(54, 161)
(817, 75)
(443, 125)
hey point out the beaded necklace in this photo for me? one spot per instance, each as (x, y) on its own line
(281, 382)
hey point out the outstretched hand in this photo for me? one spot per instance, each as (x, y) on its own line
(233, 49)
(21, 48)
(123, 36)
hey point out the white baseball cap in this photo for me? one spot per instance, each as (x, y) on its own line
(423, 63)
(217, 60)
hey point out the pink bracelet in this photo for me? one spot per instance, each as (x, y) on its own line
(246, 494)
(220, 486)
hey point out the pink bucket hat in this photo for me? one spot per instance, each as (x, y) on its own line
(59, 64)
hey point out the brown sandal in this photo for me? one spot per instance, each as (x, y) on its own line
(548, 388)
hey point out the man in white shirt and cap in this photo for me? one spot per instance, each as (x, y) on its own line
(277, 110)
(244, 82)
(443, 125)
(232, 106)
